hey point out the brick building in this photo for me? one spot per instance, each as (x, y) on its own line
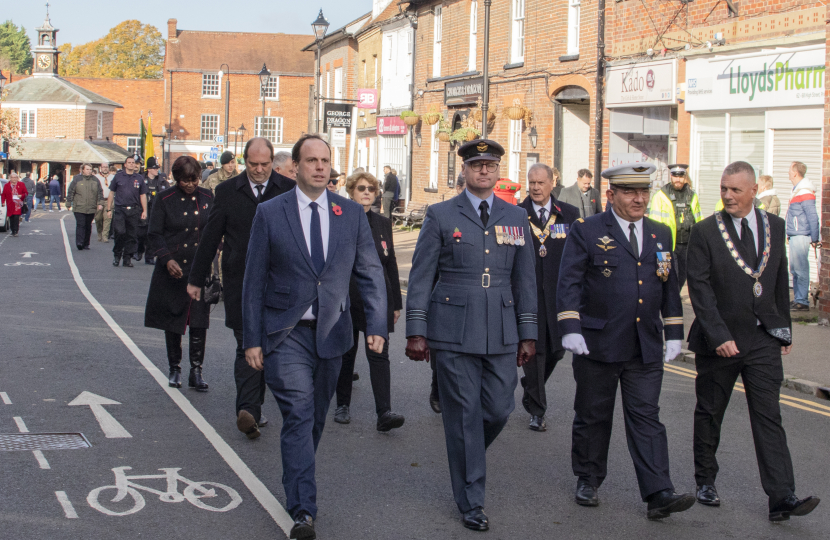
(703, 84)
(542, 56)
(197, 68)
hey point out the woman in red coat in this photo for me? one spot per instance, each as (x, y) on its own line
(14, 195)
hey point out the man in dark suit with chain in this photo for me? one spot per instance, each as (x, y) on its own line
(550, 221)
(230, 218)
(739, 288)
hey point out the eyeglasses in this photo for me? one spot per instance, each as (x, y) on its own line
(364, 187)
(492, 166)
(332, 180)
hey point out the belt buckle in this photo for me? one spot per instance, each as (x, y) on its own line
(485, 281)
(129, 207)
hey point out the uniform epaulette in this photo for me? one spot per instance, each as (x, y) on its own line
(580, 220)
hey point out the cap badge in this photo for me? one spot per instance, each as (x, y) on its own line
(640, 169)
(482, 147)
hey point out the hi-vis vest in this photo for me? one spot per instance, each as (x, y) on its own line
(662, 209)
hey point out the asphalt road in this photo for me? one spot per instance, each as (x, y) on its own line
(55, 345)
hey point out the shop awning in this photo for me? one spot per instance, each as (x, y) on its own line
(68, 151)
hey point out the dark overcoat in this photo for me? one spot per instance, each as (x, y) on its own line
(176, 226)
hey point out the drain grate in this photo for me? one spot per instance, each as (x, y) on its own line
(11, 442)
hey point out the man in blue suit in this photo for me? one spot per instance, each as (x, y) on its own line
(615, 282)
(480, 317)
(305, 245)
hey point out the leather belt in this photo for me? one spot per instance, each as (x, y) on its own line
(308, 324)
(484, 280)
(124, 207)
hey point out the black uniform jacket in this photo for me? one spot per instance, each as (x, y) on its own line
(547, 269)
(176, 224)
(382, 234)
(231, 217)
(613, 297)
(721, 292)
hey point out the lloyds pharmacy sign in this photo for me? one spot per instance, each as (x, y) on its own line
(778, 78)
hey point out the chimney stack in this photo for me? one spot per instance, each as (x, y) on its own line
(172, 33)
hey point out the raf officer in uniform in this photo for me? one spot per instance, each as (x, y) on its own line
(550, 220)
(478, 319)
(615, 282)
(127, 204)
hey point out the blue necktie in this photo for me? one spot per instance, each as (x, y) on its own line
(317, 257)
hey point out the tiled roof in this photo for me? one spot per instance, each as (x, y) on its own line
(53, 90)
(243, 52)
(68, 151)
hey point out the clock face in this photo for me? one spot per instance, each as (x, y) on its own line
(44, 61)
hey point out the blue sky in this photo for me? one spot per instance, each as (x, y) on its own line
(81, 21)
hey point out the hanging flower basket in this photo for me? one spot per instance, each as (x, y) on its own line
(515, 111)
(443, 136)
(465, 134)
(432, 118)
(491, 116)
(410, 118)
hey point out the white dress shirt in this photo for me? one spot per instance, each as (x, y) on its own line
(303, 201)
(753, 226)
(264, 186)
(547, 208)
(638, 230)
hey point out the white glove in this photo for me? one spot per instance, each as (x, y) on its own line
(576, 344)
(672, 350)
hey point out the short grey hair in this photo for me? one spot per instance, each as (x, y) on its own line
(740, 167)
(548, 170)
(280, 158)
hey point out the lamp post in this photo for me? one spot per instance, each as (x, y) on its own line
(534, 136)
(319, 27)
(169, 132)
(485, 90)
(242, 130)
(264, 75)
(227, 99)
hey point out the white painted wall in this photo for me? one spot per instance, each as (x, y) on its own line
(396, 68)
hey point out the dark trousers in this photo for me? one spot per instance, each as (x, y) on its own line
(83, 229)
(680, 251)
(378, 373)
(125, 226)
(303, 385)
(14, 222)
(141, 240)
(762, 372)
(596, 393)
(250, 383)
(537, 372)
(476, 400)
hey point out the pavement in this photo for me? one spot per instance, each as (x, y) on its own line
(73, 326)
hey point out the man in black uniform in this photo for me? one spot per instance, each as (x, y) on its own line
(156, 183)
(128, 204)
(739, 287)
(231, 217)
(550, 221)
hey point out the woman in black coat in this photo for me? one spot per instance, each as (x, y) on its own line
(363, 188)
(178, 217)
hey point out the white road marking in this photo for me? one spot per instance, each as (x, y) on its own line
(41, 459)
(68, 510)
(109, 425)
(28, 254)
(21, 263)
(21, 425)
(254, 484)
(5, 397)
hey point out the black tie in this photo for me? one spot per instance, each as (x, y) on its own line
(317, 256)
(632, 237)
(259, 193)
(542, 215)
(483, 212)
(748, 240)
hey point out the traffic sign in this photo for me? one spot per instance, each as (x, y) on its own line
(4, 155)
(219, 139)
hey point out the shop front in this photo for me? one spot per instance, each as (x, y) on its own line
(642, 98)
(393, 149)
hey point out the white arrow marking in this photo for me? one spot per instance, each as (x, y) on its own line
(109, 425)
(28, 254)
(36, 230)
(66, 504)
(5, 397)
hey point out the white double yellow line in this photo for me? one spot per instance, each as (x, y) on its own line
(803, 404)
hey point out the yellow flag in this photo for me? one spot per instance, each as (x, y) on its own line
(148, 144)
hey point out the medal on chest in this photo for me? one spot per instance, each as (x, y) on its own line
(542, 233)
(757, 288)
(663, 265)
(383, 245)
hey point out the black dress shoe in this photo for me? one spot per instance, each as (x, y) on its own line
(355, 377)
(341, 414)
(537, 423)
(667, 502)
(196, 381)
(793, 506)
(303, 528)
(80, 247)
(586, 494)
(389, 420)
(86, 247)
(247, 424)
(476, 519)
(262, 420)
(138, 256)
(117, 260)
(128, 263)
(174, 380)
(435, 403)
(708, 495)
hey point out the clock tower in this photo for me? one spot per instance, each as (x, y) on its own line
(46, 51)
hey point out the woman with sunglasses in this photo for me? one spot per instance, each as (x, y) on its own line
(363, 188)
(178, 218)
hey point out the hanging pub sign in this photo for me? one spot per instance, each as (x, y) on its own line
(337, 115)
(465, 92)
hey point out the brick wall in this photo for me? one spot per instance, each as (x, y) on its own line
(59, 123)
(370, 47)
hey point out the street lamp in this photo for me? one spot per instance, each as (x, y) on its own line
(485, 72)
(533, 136)
(264, 75)
(242, 131)
(319, 27)
(227, 99)
(418, 139)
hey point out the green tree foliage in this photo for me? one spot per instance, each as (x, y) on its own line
(131, 50)
(15, 48)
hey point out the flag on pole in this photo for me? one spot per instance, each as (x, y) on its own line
(148, 146)
(141, 136)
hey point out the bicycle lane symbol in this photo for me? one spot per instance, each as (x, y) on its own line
(219, 497)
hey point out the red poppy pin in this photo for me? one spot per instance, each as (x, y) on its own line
(383, 244)
(654, 236)
(593, 201)
(336, 209)
(457, 233)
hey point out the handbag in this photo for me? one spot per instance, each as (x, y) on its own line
(24, 209)
(212, 290)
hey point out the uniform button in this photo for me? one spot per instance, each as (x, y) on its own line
(606, 262)
(639, 264)
(182, 198)
(185, 261)
(186, 230)
(448, 299)
(486, 251)
(185, 213)
(641, 300)
(486, 269)
(318, 283)
(193, 198)
(486, 233)
(196, 213)
(196, 229)
(640, 282)
(196, 244)
(638, 319)
(185, 245)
